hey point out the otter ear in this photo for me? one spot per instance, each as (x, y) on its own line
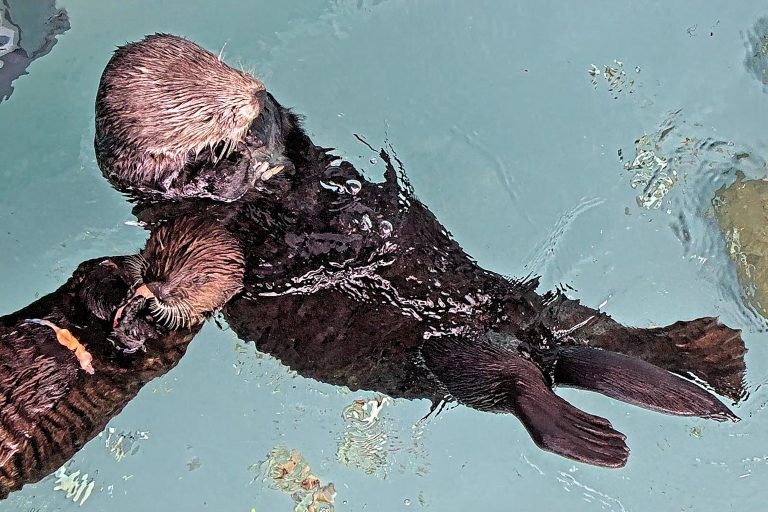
(261, 97)
(636, 382)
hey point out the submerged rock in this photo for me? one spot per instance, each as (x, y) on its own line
(742, 213)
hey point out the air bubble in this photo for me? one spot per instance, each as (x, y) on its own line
(353, 187)
(373, 161)
(385, 228)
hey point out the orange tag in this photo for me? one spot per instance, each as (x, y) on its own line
(67, 339)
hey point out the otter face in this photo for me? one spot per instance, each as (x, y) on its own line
(104, 286)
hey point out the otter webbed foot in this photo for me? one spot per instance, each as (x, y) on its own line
(557, 426)
(491, 377)
(634, 381)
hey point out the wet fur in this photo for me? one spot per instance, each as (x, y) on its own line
(348, 303)
(163, 101)
(370, 299)
(193, 266)
(360, 325)
(49, 408)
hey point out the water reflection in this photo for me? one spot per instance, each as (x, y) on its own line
(756, 60)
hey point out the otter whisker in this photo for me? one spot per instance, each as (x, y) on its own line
(136, 265)
(173, 316)
(229, 146)
(214, 156)
(221, 52)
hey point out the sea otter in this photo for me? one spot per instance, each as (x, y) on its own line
(357, 283)
(367, 290)
(68, 362)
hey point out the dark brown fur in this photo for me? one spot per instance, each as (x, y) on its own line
(49, 407)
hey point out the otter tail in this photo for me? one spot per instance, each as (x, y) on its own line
(702, 348)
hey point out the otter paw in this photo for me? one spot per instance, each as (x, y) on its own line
(131, 329)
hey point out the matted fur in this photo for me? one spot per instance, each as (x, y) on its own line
(163, 100)
(193, 266)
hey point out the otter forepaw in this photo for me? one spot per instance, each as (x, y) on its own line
(131, 329)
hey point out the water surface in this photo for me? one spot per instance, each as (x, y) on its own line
(518, 126)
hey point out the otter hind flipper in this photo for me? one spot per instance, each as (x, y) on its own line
(637, 382)
(704, 347)
(493, 378)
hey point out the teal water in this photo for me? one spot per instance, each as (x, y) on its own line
(492, 107)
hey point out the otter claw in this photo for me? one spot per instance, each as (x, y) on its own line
(261, 169)
(264, 172)
(272, 172)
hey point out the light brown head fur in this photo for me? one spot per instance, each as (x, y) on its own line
(163, 100)
(188, 269)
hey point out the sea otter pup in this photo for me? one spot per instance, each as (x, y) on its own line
(167, 111)
(68, 366)
(366, 289)
(193, 275)
(357, 283)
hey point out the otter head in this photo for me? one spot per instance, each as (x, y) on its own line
(164, 100)
(189, 268)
